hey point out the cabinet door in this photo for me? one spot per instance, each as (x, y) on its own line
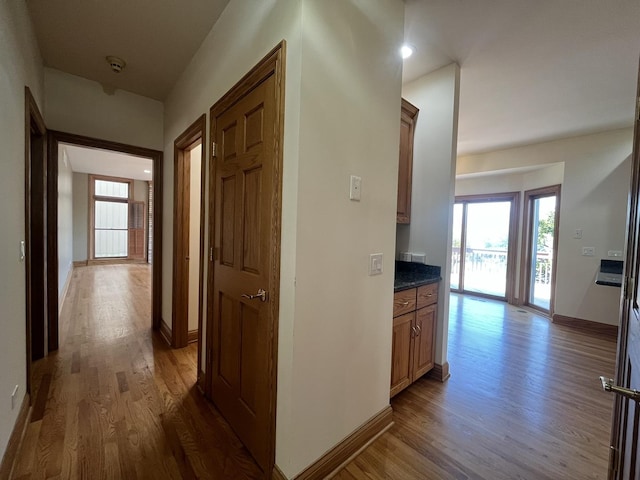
(402, 352)
(405, 166)
(423, 353)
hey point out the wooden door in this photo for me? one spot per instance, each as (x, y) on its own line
(402, 352)
(624, 461)
(137, 239)
(246, 237)
(423, 354)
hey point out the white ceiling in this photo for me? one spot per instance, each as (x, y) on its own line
(531, 70)
(106, 162)
(157, 38)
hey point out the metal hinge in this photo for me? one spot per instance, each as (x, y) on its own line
(629, 287)
(214, 149)
(211, 254)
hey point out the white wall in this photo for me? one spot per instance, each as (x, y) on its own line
(77, 105)
(341, 118)
(65, 220)
(20, 65)
(593, 198)
(80, 216)
(434, 165)
(194, 237)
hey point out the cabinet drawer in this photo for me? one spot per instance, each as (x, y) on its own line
(427, 295)
(404, 302)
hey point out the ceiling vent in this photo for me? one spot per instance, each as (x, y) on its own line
(116, 64)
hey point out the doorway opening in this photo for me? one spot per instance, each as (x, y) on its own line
(540, 237)
(108, 208)
(483, 249)
(188, 239)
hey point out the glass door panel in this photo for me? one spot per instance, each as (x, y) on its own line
(543, 211)
(486, 248)
(456, 245)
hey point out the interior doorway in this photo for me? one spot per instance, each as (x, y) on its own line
(188, 238)
(125, 241)
(540, 237)
(483, 249)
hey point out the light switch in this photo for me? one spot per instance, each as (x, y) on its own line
(355, 188)
(375, 264)
(577, 233)
(588, 251)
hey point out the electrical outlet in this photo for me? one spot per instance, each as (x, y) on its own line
(614, 253)
(577, 233)
(355, 187)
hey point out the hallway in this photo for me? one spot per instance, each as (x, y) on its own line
(116, 402)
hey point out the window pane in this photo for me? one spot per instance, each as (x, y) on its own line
(111, 215)
(105, 188)
(455, 247)
(111, 243)
(486, 251)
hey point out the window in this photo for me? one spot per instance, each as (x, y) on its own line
(110, 199)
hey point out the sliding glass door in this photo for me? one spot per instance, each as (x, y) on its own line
(482, 250)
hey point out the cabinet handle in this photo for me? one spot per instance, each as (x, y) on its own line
(413, 332)
(404, 304)
(419, 329)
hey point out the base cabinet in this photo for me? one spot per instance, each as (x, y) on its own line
(413, 335)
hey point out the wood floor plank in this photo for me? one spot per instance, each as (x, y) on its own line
(115, 401)
(523, 401)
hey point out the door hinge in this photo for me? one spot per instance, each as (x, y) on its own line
(629, 287)
(214, 149)
(211, 254)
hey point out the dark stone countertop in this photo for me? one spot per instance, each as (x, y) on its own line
(411, 275)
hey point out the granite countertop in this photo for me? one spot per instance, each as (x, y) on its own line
(411, 275)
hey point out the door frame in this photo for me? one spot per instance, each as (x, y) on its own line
(55, 138)
(195, 133)
(527, 246)
(514, 215)
(272, 64)
(35, 127)
(628, 301)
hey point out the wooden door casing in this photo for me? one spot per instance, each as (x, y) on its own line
(624, 458)
(246, 128)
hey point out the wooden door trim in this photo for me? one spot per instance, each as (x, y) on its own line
(33, 119)
(273, 64)
(196, 132)
(527, 246)
(156, 156)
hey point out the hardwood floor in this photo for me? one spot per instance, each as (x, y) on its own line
(116, 402)
(523, 402)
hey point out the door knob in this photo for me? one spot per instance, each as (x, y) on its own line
(608, 386)
(262, 295)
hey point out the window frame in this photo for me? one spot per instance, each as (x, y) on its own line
(92, 210)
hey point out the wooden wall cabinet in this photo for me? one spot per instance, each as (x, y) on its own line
(408, 116)
(414, 321)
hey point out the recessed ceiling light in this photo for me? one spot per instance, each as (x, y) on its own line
(147, 171)
(406, 51)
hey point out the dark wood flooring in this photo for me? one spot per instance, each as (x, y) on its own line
(523, 402)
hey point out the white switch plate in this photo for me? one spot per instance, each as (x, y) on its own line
(588, 251)
(355, 187)
(375, 264)
(577, 233)
(614, 253)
